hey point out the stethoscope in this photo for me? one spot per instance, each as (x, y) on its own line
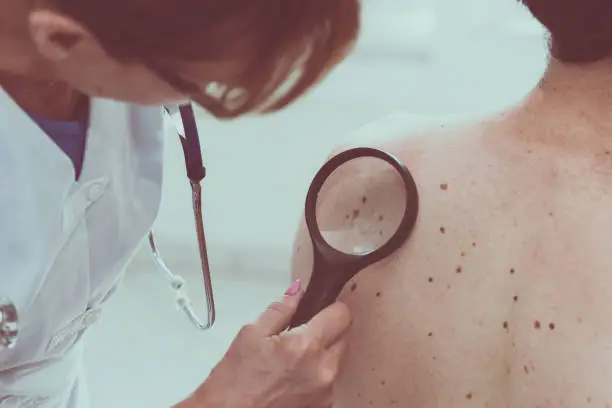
(342, 246)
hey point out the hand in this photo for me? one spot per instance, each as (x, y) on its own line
(269, 367)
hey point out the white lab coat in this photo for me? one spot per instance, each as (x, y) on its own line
(65, 244)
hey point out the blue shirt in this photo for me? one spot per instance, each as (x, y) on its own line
(70, 136)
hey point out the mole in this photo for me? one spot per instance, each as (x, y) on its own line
(381, 217)
(442, 230)
(506, 325)
(512, 271)
(430, 334)
(526, 369)
(463, 253)
(515, 298)
(364, 199)
(537, 324)
(382, 382)
(378, 294)
(459, 269)
(353, 287)
(444, 186)
(474, 244)
(355, 213)
(551, 326)
(430, 279)
(468, 396)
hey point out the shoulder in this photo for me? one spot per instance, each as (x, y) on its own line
(430, 147)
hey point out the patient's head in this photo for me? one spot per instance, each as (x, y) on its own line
(580, 30)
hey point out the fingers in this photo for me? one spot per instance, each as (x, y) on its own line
(328, 326)
(278, 315)
(332, 361)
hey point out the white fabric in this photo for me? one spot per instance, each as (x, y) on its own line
(64, 244)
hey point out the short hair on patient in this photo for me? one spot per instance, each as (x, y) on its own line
(580, 30)
(288, 44)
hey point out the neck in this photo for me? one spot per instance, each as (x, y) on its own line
(571, 108)
(51, 99)
(584, 89)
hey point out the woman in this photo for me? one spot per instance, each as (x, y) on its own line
(501, 298)
(80, 173)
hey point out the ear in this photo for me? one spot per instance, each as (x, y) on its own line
(55, 35)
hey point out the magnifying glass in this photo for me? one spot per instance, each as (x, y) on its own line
(344, 247)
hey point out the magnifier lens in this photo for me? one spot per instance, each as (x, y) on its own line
(361, 223)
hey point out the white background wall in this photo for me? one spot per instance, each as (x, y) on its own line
(421, 57)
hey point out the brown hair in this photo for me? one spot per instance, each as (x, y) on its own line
(285, 46)
(580, 30)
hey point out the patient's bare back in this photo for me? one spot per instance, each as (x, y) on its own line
(503, 295)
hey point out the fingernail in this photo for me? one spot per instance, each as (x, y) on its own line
(294, 289)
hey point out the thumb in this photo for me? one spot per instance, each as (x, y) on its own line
(277, 316)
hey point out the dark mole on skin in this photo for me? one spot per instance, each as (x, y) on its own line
(381, 217)
(551, 326)
(442, 230)
(537, 324)
(512, 271)
(473, 244)
(430, 279)
(378, 294)
(468, 395)
(355, 213)
(459, 269)
(382, 382)
(430, 334)
(526, 369)
(364, 199)
(353, 287)
(444, 186)
(515, 298)
(506, 325)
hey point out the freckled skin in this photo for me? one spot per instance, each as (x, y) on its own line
(535, 229)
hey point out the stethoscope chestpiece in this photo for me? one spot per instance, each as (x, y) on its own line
(8, 324)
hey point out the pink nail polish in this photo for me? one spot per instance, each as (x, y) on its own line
(294, 289)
